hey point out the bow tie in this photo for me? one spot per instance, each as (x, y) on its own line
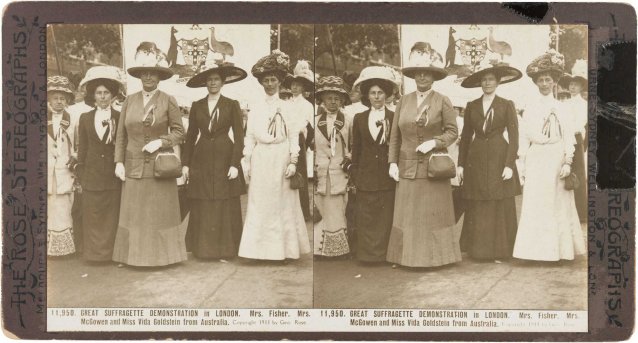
(57, 114)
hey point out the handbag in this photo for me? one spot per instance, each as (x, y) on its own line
(441, 166)
(167, 165)
(297, 181)
(571, 182)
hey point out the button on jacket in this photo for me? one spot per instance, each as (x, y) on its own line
(133, 134)
(210, 157)
(407, 133)
(370, 159)
(484, 154)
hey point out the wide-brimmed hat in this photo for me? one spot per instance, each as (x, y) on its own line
(331, 84)
(424, 59)
(550, 62)
(303, 74)
(109, 76)
(579, 74)
(149, 57)
(370, 76)
(276, 62)
(502, 70)
(226, 70)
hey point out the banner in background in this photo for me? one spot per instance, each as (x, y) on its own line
(465, 48)
(188, 46)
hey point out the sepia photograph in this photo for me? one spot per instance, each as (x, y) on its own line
(345, 166)
(177, 168)
(461, 180)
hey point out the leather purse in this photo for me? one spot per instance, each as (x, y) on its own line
(571, 182)
(441, 166)
(167, 165)
(297, 181)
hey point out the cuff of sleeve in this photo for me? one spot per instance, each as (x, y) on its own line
(166, 143)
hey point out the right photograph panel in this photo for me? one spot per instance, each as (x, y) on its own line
(450, 167)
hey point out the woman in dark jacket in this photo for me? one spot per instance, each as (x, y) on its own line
(212, 166)
(101, 189)
(375, 188)
(487, 167)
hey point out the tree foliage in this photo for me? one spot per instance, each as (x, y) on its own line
(359, 40)
(297, 40)
(80, 39)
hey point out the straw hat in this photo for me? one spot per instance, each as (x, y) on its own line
(579, 74)
(302, 73)
(226, 70)
(423, 59)
(370, 76)
(331, 84)
(550, 62)
(149, 57)
(277, 63)
(503, 72)
(61, 84)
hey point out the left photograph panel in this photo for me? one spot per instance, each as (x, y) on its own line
(178, 166)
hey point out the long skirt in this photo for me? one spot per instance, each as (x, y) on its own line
(423, 225)
(149, 232)
(489, 228)
(100, 217)
(374, 211)
(214, 228)
(549, 228)
(76, 214)
(274, 228)
(580, 168)
(60, 224)
(331, 234)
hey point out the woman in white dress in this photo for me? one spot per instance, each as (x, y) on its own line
(274, 228)
(549, 229)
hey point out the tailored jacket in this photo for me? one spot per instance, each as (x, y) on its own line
(61, 149)
(370, 159)
(438, 122)
(484, 154)
(326, 164)
(96, 159)
(210, 157)
(133, 134)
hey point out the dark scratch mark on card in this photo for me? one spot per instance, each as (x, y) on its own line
(616, 115)
(534, 12)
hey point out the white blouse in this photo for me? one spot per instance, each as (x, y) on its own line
(539, 126)
(261, 114)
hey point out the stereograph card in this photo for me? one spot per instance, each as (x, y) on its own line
(359, 171)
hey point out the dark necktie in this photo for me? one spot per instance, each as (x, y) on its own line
(105, 137)
(379, 139)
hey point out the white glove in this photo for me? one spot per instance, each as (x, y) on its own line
(394, 172)
(507, 173)
(565, 170)
(425, 147)
(459, 172)
(152, 146)
(291, 170)
(185, 170)
(232, 173)
(120, 172)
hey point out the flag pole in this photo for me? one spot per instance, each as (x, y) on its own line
(55, 49)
